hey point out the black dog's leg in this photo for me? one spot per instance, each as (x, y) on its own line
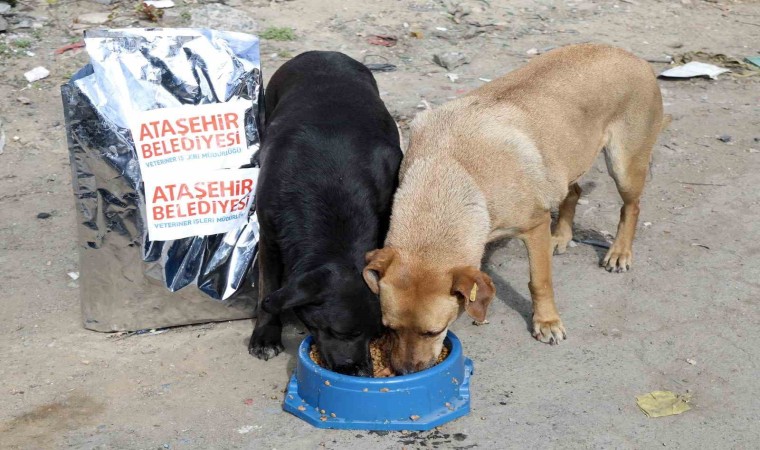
(266, 340)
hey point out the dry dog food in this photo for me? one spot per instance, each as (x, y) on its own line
(380, 352)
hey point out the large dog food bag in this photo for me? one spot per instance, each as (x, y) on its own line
(163, 126)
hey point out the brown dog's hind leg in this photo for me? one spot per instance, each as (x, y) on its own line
(547, 326)
(628, 166)
(563, 231)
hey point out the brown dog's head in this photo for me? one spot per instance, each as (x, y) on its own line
(420, 301)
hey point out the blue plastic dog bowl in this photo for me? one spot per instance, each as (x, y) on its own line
(419, 401)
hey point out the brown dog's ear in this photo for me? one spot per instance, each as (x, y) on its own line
(477, 290)
(377, 262)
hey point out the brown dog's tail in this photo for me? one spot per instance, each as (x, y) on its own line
(666, 120)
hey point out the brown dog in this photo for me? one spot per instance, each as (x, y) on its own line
(492, 164)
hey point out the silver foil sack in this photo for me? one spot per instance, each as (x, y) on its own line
(127, 281)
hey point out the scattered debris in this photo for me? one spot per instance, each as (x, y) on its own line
(485, 80)
(739, 67)
(754, 60)
(476, 323)
(414, 417)
(702, 184)
(595, 243)
(384, 40)
(381, 67)
(532, 51)
(417, 34)
(223, 17)
(583, 201)
(36, 74)
(724, 138)
(245, 430)
(149, 13)
(647, 224)
(691, 361)
(452, 77)
(24, 101)
(44, 215)
(450, 60)
(248, 402)
(694, 69)
(73, 275)
(423, 104)
(663, 403)
(68, 47)
(696, 244)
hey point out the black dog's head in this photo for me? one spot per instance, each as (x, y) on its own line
(340, 311)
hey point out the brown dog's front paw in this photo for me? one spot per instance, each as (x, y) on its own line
(618, 260)
(549, 331)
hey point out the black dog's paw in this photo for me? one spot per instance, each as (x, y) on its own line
(265, 345)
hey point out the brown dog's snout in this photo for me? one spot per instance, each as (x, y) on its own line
(409, 355)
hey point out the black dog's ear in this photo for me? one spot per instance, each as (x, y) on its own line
(302, 291)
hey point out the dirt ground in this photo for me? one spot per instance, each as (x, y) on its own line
(685, 319)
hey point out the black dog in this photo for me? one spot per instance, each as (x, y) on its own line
(329, 168)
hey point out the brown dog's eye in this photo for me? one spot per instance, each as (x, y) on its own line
(433, 333)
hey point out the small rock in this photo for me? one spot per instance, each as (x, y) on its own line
(85, 362)
(16, 138)
(4, 8)
(73, 275)
(44, 215)
(582, 201)
(452, 77)
(222, 17)
(572, 244)
(450, 60)
(97, 18)
(532, 51)
(36, 74)
(724, 138)
(23, 23)
(3, 25)
(753, 150)
(691, 361)
(160, 4)
(246, 429)
(24, 101)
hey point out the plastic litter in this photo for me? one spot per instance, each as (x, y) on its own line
(694, 69)
(662, 403)
(36, 74)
